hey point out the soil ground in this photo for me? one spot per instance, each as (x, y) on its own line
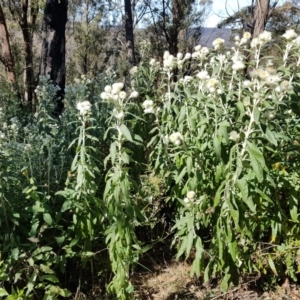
(172, 281)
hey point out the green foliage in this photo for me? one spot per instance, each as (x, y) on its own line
(201, 141)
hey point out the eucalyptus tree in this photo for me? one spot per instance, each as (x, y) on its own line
(53, 58)
(264, 14)
(169, 18)
(6, 58)
(25, 12)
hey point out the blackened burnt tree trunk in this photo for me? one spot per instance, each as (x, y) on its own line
(129, 32)
(53, 59)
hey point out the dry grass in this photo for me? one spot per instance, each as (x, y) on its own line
(173, 281)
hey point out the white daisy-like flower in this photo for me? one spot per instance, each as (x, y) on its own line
(212, 82)
(247, 35)
(203, 75)
(263, 74)
(122, 95)
(272, 80)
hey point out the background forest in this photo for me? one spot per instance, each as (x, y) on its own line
(125, 143)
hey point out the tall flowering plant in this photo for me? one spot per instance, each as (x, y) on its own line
(226, 140)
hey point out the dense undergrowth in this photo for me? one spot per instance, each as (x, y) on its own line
(203, 149)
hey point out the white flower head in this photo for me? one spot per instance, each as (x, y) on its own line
(187, 55)
(272, 80)
(186, 200)
(84, 107)
(166, 55)
(107, 89)
(187, 79)
(218, 43)
(148, 106)
(133, 70)
(264, 37)
(290, 34)
(247, 84)
(212, 82)
(191, 195)
(234, 136)
(197, 48)
(176, 138)
(122, 95)
(117, 87)
(27, 147)
(179, 55)
(152, 62)
(238, 65)
(247, 35)
(203, 75)
(134, 94)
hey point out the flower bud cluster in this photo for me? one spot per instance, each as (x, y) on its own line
(261, 40)
(176, 138)
(190, 198)
(148, 106)
(84, 107)
(200, 52)
(218, 43)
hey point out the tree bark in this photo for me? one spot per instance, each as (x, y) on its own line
(260, 16)
(53, 59)
(129, 32)
(7, 57)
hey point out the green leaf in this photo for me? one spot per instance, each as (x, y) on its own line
(270, 137)
(15, 253)
(243, 187)
(257, 161)
(272, 265)
(189, 244)
(256, 153)
(113, 151)
(3, 292)
(47, 218)
(256, 115)
(64, 293)
(126, 132)
(49, 277)
(217, 146)
(189, 164)
(181, 175)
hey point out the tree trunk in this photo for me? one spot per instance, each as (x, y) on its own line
(129, 32)
(260, 16)
(7, 57)
(53, 49)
